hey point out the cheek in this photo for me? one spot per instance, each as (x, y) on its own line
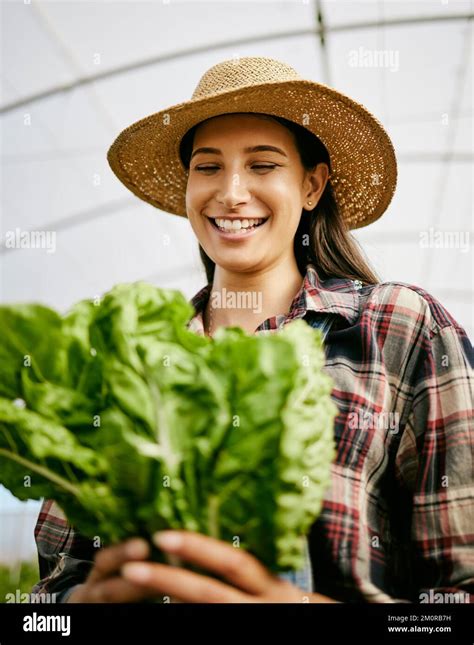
(282, 195)
(287, 208)
(197, 190)
(195, 206)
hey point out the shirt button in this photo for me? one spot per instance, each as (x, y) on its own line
(357, 284)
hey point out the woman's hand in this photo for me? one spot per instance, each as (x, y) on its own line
(249, 580)
(105, 584)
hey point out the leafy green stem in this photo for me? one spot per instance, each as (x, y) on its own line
(41, 470)
(213, 517)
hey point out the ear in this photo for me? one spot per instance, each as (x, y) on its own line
(315, 183)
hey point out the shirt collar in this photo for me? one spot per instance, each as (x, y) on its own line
(334, 295)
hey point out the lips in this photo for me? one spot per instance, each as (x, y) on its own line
(221, 224)
(240, 217)
(235, 216)
(236, 234)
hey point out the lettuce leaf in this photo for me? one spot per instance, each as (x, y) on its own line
(133, 423)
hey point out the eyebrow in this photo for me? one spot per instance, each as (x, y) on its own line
(261, 148)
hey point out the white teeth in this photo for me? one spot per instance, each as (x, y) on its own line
(237, 224)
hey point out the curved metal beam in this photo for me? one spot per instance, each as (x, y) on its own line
(376, 24)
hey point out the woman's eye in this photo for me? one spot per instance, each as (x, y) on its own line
(256, 166)
(204, 168)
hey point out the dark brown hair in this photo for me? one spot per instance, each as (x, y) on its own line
(322, 237)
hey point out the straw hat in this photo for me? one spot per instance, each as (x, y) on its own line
(145, 156)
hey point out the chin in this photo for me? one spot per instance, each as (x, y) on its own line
(239, 265)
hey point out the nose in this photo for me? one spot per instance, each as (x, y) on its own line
(232, 191)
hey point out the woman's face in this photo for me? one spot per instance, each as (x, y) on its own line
(236, 181)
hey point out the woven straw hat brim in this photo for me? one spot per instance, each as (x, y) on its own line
(145, 156)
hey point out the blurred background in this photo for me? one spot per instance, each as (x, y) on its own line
(74, 74)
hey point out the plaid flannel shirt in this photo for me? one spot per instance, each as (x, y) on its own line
(397, 523)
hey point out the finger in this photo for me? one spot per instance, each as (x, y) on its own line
(117, 590)
(183, 585)
(110, 559)
(236, 565)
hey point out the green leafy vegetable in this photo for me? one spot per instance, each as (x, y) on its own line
(133, 423)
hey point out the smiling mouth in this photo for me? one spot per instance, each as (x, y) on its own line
(236, 231)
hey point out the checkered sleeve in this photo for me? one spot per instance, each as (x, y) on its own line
(435, 459)
(65, 557)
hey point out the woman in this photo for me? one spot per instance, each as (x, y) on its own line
(271, 207)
